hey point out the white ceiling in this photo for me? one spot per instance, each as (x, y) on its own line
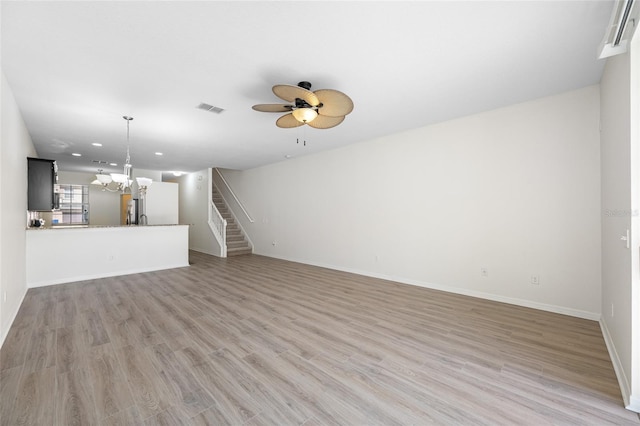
(77, 67)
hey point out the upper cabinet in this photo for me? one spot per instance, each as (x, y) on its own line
(42, 177)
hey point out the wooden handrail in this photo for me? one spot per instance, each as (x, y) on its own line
(233, 194)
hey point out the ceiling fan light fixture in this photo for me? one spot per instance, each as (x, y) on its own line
(305, 115)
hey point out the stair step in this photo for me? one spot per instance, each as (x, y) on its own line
(238, 252)
(237, 244)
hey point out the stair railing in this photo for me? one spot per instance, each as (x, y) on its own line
(217, 223)
(218, 226)
(233, 194)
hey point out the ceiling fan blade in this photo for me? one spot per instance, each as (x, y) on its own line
(272, 108)
(334, 103)
(288, 121)
(290, 93)
(325, 122)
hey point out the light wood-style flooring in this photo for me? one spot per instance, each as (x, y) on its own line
(259, 341)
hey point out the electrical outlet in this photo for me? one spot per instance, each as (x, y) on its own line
(484, 272)
(535, 279)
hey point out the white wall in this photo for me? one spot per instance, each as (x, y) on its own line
(15, 147)
(155, 175)
(2, 207)
(194, 205)
(514, 190)
(616, 197)
(634, 111)
(620, 166)
(634, 398)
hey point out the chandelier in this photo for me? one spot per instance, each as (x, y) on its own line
(122, 180)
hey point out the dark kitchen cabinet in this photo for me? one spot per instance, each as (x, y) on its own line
(42, 177)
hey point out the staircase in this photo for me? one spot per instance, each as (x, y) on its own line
(237, 244)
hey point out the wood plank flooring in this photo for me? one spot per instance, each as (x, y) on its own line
(259, 341)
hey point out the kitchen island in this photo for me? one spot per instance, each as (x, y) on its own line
(58, 255)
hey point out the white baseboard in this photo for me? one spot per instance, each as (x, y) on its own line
(205, 251)
(498, 298)
(623, 382)
(634, 404)
(5, 332)
(594, 316)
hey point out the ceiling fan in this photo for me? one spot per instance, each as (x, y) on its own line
(322, 109)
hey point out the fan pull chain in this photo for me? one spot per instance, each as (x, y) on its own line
(304, 139)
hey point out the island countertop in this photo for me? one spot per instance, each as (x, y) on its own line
(57, 227)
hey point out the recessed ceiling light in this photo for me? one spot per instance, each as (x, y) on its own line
(75, 154)
(113, 164)
(159, 153)
(96, 144)
(177, 174)
(287, 156)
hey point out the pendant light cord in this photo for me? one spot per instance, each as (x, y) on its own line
(127, 165)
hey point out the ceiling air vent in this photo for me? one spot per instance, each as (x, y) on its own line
(210, 108)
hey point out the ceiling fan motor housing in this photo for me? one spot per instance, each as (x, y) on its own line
(301, 103)
(305, 85)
